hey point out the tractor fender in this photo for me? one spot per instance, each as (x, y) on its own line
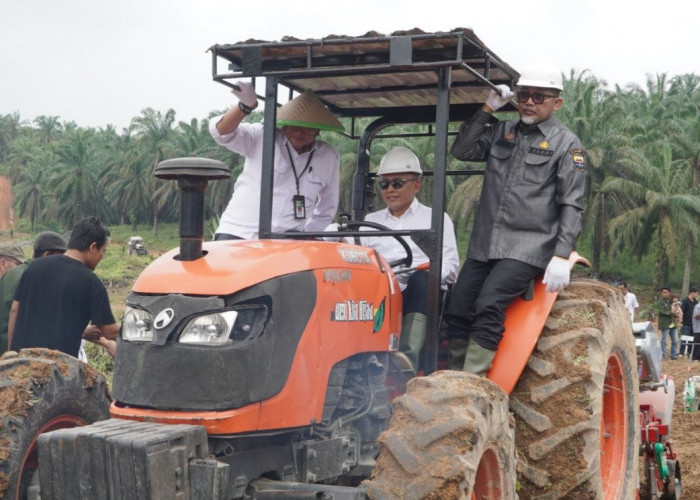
(523, 326)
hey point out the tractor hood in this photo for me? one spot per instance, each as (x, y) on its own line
(229, 266)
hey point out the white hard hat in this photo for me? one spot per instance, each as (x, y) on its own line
(399, 160)
(542, 74)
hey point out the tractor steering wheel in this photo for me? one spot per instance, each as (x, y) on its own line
(405, 261)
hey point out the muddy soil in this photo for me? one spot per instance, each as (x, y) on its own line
(685, 428)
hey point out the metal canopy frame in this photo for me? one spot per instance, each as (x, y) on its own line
(408, 77)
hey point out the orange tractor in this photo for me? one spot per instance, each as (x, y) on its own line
(263, 369)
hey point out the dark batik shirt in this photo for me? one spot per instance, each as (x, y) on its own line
(532, 200)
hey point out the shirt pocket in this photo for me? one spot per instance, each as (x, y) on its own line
(536, 168)
(502, 151)
(311, 186)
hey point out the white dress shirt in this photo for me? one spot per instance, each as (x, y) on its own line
(318, 184)
(631, 304)
(418, 216)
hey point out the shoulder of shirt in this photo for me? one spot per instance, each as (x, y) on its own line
(377, 215)
(553, 124)
(326, 148)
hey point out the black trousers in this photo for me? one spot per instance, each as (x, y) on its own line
(481, 295)
(415, 295)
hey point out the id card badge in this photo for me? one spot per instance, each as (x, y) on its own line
(299, 207)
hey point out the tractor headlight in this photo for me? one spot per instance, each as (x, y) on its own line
(242, 323)
(210, 329)
(137, 325)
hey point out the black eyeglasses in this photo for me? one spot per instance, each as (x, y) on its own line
(537, 97)
(395, 183)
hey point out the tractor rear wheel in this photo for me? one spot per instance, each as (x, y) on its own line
(576, 404)
(40, 391)
(451, 436)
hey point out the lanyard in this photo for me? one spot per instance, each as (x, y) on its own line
(308, 162)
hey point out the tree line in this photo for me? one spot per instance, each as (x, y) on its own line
(643, 197)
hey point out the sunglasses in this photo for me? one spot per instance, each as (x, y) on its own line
(395, 183)
(537, 97)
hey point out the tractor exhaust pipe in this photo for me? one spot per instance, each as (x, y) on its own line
(192, 175)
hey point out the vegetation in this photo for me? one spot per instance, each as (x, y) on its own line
(643, 202)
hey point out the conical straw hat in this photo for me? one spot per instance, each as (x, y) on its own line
(308, 111)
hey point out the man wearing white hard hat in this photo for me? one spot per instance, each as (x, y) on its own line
(529, 214)
(400, 181)
(305, 195)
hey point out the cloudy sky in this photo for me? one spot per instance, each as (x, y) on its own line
(99, 62)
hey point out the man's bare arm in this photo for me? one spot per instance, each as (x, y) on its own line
(12, 319)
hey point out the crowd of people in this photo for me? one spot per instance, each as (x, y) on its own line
(529, 215)
(527, 223)
(677, 320)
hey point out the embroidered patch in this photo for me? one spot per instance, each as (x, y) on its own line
(540, 152)
(579, 159)
(510, 137)
(544, 144)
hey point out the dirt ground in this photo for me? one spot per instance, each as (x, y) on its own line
(685, 429)
(5, 204)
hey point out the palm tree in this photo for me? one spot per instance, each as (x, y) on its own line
(77, 190)
(23, 151)
(126, 179)
(49, 127)
(10, 126)
(155, 134)
(30, 193)
(592, 113)
(654, 203)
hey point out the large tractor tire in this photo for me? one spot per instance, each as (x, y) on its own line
(451, 437)
(576, 404)
(42, 390)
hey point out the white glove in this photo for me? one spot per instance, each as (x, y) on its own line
(246, 94)
(557, 274)
(497, 100)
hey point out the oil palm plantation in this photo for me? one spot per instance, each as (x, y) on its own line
(155, 134)
(76, 187)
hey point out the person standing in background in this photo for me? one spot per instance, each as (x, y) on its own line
(662, 307)
(687, 307)
(59, 296)
(11, 255)
(630, 300)
(46, 243)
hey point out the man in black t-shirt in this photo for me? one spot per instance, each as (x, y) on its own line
(59, 295)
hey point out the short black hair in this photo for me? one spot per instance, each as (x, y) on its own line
(86, 232)
(693, 289)
(665, 288)
(624, 284)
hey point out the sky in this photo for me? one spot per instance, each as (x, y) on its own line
(101, 62)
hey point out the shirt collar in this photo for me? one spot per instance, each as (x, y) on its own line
(294, 151)
(545, 127)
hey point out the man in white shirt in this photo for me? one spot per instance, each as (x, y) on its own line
(400, 181)
(630, 300)
(305, 194)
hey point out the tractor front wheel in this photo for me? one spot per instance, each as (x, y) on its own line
(451, 436)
